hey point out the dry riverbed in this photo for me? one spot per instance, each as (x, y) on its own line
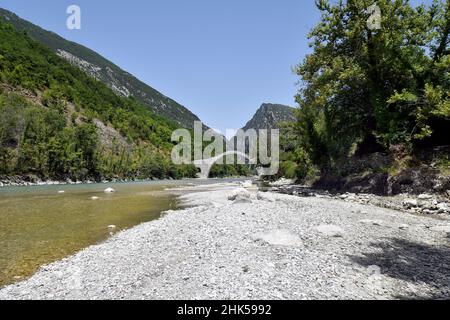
(233, 243)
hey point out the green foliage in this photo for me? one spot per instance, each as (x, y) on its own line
(148, 96)
(359, 85)
(48, 114)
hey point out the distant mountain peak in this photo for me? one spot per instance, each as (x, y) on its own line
(270, 116)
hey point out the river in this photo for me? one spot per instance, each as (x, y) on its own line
(40, 225)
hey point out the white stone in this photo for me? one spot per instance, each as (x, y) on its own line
(330, 230)
(425, 197)
(61, 192)
(280, 238)
(240, 195)
(372, 222)
(247, 184)
(265, 197)
(282, 182)
(95, 198)
(110, 190)
(443, 207)
(410, 203)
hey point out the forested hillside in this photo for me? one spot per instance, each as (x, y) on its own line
(120, 81)
(367, 92)
(57, 122)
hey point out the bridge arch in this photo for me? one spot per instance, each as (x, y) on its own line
(206, 165)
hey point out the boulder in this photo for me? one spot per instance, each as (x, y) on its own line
(247, 184)
(425, 197)
(443, 207)
(410, 203)
(330, 230)
(240, 196)
(261, 196)
(282, 182)
(428, 211)
(279, 238)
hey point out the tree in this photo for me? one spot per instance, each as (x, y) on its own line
(373, 88)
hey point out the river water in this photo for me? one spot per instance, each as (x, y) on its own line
(40, 225)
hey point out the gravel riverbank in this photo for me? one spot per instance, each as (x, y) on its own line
(233, 243)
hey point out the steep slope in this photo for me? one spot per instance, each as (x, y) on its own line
(100, 68)
(270, 116)
(57, 122)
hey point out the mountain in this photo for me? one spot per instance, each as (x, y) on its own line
(57, 122)
(120, 81)
(270, 116)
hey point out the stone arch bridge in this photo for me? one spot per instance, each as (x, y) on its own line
(206, 164)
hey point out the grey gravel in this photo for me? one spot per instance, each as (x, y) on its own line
(267, 249)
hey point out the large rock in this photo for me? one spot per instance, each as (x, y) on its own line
(410, 203)
(279, 238)
(330, 230)
(282, 182)
(425, 197)
(443, 207)
(247, 184)
(240, 196)
(109, 190)
(262, 196)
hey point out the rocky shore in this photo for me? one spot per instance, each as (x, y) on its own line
(233, 242)
(27, 181)
(428, 204)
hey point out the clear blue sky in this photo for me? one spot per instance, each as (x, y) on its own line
(220, 58)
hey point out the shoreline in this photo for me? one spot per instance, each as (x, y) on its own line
(256, 246)
(421, 204)
(5, 183)
(23, 183)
